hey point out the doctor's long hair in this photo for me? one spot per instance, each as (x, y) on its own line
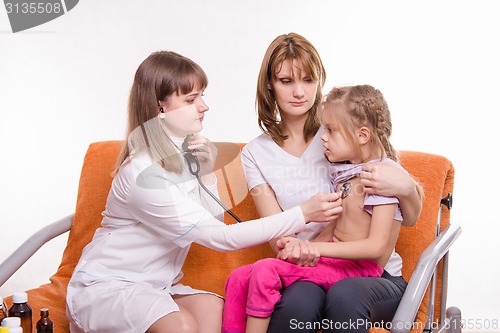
(159, 76)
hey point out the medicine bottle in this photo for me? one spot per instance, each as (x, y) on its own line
(3, 309)
(44, 325)
(21, 309)
(13, 323)
(4, 329)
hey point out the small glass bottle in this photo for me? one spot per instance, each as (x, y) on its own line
(21, 309)
(13, 323)
(44, 325)
(3, 309)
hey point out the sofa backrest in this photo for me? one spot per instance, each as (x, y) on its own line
(436, 175)
(93, 188)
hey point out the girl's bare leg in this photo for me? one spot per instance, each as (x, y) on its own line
(257, 325)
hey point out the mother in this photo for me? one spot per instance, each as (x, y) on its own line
(285, 166)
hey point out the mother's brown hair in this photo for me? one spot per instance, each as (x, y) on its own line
(291, 47)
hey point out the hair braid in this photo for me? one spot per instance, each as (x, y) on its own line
(366, 106)
(384, 125)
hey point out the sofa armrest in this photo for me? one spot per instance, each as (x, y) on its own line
(13, 262)
(419, 281)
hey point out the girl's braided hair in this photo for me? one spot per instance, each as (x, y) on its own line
(364, 106)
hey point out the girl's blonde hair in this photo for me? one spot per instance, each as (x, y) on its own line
(358, 106)
(158, 77)
(291, 47)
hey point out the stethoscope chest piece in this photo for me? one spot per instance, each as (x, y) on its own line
(345, 189)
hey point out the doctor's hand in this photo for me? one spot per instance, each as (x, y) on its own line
(205, 151)
(322, 207)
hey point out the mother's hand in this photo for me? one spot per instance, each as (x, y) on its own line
(297, 251)
(387, 179)
(390, 180)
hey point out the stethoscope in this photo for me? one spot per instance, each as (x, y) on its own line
(194, 169)
(345, 189)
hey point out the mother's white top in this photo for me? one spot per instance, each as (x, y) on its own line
(295, 179)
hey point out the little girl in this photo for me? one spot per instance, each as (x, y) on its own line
(358, 243)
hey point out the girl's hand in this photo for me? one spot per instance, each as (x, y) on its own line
(386, 179)
(322, 207)
(283, 241)
(299, 252)
(205, 151)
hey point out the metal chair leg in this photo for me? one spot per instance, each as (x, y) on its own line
(454, 315)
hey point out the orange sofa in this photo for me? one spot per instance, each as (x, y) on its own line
(208, 269)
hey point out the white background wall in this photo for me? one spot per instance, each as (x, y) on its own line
(65, 84)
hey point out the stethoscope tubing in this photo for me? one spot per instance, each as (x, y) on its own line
(191, 159)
